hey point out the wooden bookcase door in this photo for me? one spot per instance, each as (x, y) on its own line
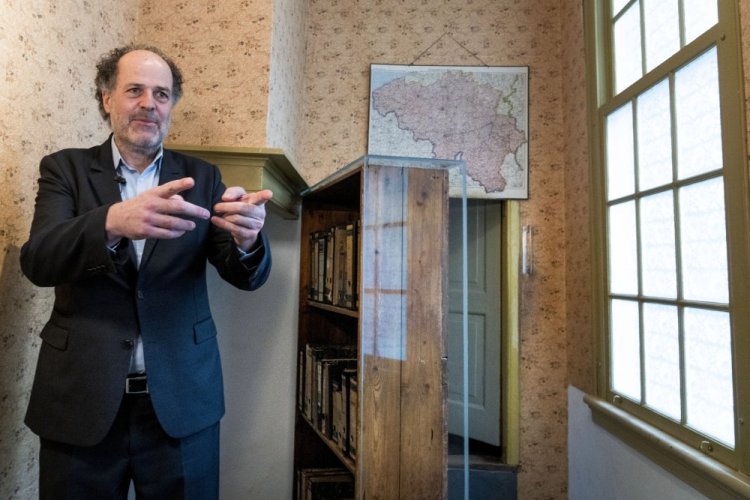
(399, 327)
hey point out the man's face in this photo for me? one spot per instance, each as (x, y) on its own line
(140, 105)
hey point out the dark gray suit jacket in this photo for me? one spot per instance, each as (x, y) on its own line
(102, 300)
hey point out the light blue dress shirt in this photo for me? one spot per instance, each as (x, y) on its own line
(134, 184)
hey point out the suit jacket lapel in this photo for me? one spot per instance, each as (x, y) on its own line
(102, 178)
(106, 189)
(170, 170)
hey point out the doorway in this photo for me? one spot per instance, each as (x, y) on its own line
(484, 259)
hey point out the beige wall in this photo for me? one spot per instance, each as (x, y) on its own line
(745, 34)
(47, 54)
(243, 63)
(223, 49)
(578, 332)
(286, 79)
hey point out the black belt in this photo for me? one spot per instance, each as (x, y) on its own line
(136, 384)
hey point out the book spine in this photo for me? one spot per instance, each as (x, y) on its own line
(328, 275)
(353, 426)
(313, 278)
(349, 266)
(321, 270)
(337, 406)
(301, 380)
(339, 266)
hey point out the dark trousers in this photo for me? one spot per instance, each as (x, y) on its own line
(137, 449)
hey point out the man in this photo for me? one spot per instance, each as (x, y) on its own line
(128, 382)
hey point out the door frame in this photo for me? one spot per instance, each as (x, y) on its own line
(510, 292)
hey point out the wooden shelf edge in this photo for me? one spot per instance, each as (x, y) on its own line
(328, 307)
(348, 462)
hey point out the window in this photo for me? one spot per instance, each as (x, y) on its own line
(671, 218)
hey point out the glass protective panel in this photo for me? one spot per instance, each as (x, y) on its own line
(403, 317)
(654, 137)
(708, 374)
(703, 242)
(662, 359)
(661, 20)
(700, 15)
(658, 266)
(625, 349)
(698, 117)
(620, 158)
(623, 262)
(628, 48)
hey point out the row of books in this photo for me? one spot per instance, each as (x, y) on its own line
(327, 393)
(324, 484)
(333, 266)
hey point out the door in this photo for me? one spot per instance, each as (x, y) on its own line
(483, 238)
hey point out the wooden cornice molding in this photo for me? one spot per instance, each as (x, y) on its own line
(254, 169)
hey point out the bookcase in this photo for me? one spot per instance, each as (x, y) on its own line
(373, 298)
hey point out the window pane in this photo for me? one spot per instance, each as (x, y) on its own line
(620, 158)
(698, 116)
(700, 15)
(617, 5)
(658, 266)
(628, 48)
(654, 137)
(708, 374)
(623, 263)
(626, 359)
(662, 26)
(703, 242)
(662, 359)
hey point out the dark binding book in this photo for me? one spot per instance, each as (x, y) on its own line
(322, 253)
(333, 266)
(330, 373)
(312, 385)
(329, 270)
(339, 266)
(350, 267)
(353, 419)
(301, 380)
(347, 429)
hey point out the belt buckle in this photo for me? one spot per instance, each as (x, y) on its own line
(136, 385)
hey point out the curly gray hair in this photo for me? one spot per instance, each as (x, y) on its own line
(106, 73)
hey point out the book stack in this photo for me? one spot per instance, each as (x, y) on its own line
(333, 266)
(327, 393)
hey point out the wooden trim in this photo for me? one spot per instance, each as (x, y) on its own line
(703, 473)
(510, 296)
(254, 169)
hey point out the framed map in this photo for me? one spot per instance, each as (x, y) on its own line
(477, 114)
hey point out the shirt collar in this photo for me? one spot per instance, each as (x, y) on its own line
(117, 157)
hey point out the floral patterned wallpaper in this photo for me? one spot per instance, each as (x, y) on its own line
(286, 79)
(579, 334)
(48, 51)
(345, 37)
(242, 61)
(223, 49)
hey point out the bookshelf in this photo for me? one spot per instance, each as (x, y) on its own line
(393, 330)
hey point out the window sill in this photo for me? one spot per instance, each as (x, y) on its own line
(703, 473)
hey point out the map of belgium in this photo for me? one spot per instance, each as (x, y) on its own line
(461, 113)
